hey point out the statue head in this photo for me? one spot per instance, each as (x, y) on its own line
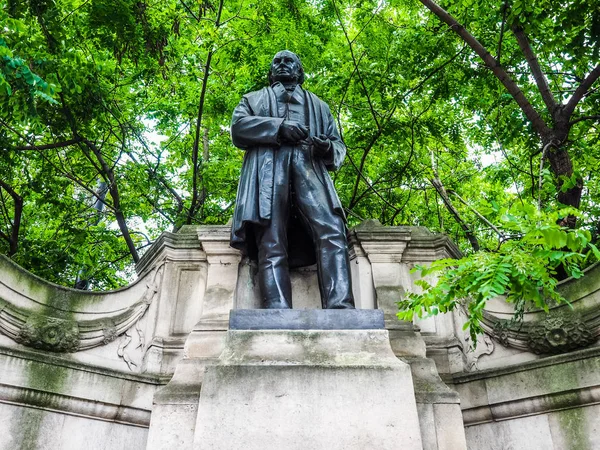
(286, 67)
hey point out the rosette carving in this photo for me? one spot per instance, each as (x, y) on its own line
(560, 333)
(565, 328)
(49, 333)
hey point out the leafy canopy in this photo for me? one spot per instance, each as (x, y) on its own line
(114, 127)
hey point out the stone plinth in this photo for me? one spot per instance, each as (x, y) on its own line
(311, 388)
(314, 385)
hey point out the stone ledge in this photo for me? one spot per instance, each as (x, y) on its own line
(306, 319)
(74, 406)
(461, 378)
(49, 359)
(541, 404)
(322, 348)
(557, 383)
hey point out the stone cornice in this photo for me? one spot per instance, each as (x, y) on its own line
(539, 387)
(215, 242)
(402, 243)
(59, 361)
(540, 404)
(430, 247)
(181, 245)
(65, 404)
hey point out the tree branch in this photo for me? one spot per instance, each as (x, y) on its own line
(581, 90)
(197, 199)
(536, 120)
(439, 187)
(365, 179)
(534, 65)
(502, 26)
(581, 119)
(361, 167)
(478, 214)
(49, 146)
(355, 63)
(432, 73)
(187, 8)
(13, 240)
(108, 172)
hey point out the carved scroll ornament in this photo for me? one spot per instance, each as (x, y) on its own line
(55, 330)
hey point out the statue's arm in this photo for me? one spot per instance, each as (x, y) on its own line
(334, 157)
(249, 130)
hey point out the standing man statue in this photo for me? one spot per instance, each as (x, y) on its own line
(287, 212)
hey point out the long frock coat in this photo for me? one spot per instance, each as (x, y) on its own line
(255, 128)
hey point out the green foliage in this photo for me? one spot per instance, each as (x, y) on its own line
(120, 82)
(523, 269)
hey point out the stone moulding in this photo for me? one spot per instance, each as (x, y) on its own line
(541, 404)
(53, 318)
(76, 388)
(530, 389)
(75, 406)
(565, 328)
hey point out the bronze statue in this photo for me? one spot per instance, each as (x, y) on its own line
(287, 212)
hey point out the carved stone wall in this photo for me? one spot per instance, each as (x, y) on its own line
(563, 329)
(80, 369)
(72, 360)
(93, 360)
(535, 383)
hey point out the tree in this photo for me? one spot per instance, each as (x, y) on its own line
(83, 84)
(526, 264)
(138, 96)
(574, 31)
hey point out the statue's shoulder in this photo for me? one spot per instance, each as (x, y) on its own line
(258, 101)
(253, 95)
(317, 101)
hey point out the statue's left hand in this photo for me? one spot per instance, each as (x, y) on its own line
(321, 145)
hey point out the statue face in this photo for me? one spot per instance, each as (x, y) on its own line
(285, 67)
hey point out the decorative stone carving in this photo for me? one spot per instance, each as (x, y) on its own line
(501, 332)
(110, 334)
(49, 333)
(50, 330)
(560, 333)
(485, 346)
(565, 328)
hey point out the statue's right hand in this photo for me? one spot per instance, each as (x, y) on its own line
(292, 131)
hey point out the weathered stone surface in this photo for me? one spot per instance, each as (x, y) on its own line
(508, 401)
(308, 319)
(32, 429)
(568, 429)
(309, 389)
(47, 402)
(537, 387)
(528, 433)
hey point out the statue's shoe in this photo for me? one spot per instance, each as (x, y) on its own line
(344, 304)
